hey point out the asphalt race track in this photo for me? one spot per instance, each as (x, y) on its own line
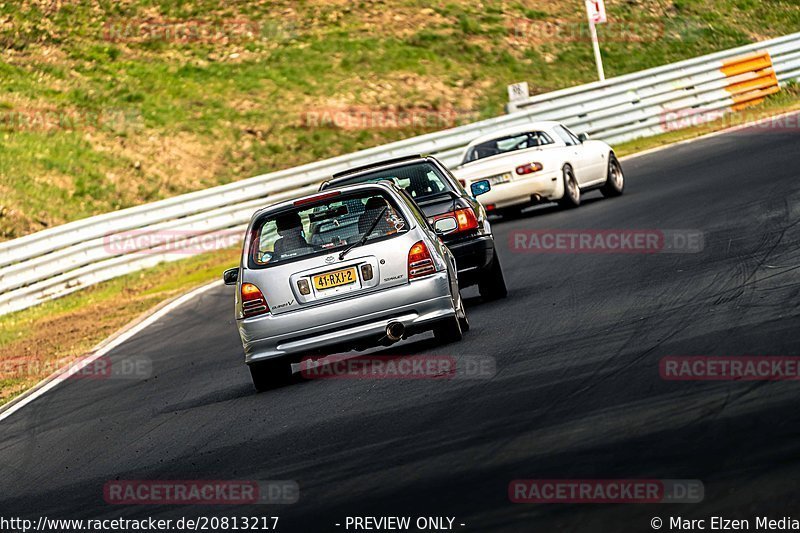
(577, 393)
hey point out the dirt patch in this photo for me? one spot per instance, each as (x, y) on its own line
(13, 222)
(405, 90)
(163, 164)
(402, 22)
(62, 181)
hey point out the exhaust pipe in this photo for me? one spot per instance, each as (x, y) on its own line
(395, 331)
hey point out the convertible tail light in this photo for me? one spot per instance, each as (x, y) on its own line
(465, 218)
(530, 168)
(463, 183)
(420, 262)
(253, 301)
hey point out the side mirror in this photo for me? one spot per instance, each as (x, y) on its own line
(480, 187)
(583, 137)
(444, 226)
(231, 276)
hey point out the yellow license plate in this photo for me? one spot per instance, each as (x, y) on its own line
(336, 278)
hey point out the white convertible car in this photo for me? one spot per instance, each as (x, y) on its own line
(539, 162)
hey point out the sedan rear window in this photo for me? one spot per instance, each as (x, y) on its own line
(325, 227)
(420, 180)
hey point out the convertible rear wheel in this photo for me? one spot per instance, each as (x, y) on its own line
(270, 374)
(572, 192)
(615, 182)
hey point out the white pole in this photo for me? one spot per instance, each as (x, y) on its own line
(596, 45)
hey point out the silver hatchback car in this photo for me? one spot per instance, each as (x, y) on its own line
(351, 268)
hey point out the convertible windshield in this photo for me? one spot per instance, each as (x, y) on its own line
(510, 143)
(326, 226)
(420, 180)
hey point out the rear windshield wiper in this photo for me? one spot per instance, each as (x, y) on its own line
(366, 235)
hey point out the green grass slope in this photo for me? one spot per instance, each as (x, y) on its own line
(108, 104)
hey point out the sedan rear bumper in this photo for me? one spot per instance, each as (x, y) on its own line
(344, 324)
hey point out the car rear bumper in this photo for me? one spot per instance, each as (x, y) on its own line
(473, 257)
(346, 324)
(522, 191)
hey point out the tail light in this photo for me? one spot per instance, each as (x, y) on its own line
(253, 301)
(420, 262)
(465, 218)
(463, 183)
(317, 198)
(530, 168)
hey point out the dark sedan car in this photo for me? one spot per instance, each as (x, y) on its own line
(456, 216)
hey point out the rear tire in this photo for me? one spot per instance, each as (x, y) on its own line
(493, 285)
(615, 179)
(449, 330)
(572, 192)
(270, 374)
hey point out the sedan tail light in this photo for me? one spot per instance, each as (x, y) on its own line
(253, 301)
(530, 168)
(465, 218)
(420, 262)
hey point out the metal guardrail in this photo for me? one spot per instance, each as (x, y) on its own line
(57, 261)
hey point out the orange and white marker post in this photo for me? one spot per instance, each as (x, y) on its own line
(750, 79)
(596, 11)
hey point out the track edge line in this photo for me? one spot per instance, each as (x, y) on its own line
(128, 331)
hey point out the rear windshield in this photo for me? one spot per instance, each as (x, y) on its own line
(504, 145)
(325, 227)
(420, 180)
